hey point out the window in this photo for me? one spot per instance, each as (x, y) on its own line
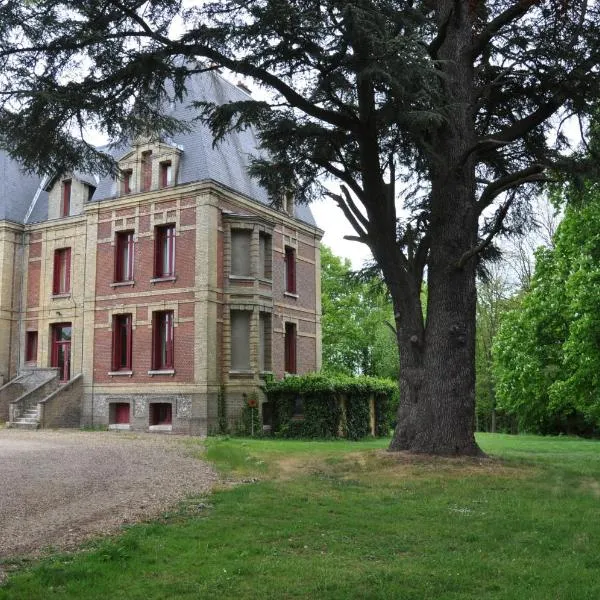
(121, 343)
(146, 182)
(240, 340)
(264, 342)
(240, 252)
(126, 182)
(161, 413)
(65, 207)
(118, 413)
(162, 340)
(287, 202)
(264, 251)
(164, 251)
(290, 348)
(62, 271)
(31, 343)
(124, 250)
(290, 270)
(166, 174)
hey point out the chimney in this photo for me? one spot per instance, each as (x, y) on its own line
(244, 88)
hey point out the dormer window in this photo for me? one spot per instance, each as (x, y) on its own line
(288, 202)
(127, 181)
(166, 174)
(146, 175)
(65, 206)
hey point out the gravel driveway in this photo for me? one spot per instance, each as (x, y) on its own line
(59, 487)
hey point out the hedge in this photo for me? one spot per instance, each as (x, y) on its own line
(320, 406)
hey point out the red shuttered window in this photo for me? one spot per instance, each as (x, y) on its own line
(166, 174)
(121, 343)
(164, 251)
(124, 252)
(290, 348)
(162, 340)
(61, 283)
(65, 207)
(127, 177)
(290, 270)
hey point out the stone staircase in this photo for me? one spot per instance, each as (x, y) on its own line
(20, 398)
(28, 420)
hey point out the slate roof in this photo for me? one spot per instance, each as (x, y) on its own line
(17, 190)
(226, 163)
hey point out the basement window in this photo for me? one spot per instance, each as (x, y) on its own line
(118, 415)
(161, 416)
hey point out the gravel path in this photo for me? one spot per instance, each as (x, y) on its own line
(59, 487)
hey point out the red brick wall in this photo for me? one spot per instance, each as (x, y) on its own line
(142, 349)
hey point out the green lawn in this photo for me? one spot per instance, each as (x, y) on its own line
(346, 520)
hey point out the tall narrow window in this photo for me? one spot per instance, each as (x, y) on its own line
(240, 340)
(166, 174)
(121, 349)
(164, 251)
(161, 413)
(124, 251)
(290, 270)
(146, 171)
(126, 182)
(61, 283)
(264, 342)
(264, 250)
(290, 348)
(31, 346)
(65, 208)
(240, 252)
(162, 337)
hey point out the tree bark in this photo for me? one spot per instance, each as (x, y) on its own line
(437, 374)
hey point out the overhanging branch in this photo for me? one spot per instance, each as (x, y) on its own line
(532, 174)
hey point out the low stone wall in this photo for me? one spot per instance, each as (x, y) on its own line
(63, 407)
(9, 393)
(31, 398)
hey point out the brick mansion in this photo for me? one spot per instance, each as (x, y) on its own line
(155, 299)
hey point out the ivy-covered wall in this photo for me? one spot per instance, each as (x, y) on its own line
(319, 406)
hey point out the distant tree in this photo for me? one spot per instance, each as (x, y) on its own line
(461, 101)
(357, 322)
(547, 352)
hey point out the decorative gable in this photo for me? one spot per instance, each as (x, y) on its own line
(150, 165)
(68, 193)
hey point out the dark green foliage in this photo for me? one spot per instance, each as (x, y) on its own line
(311, 406)
(222, 411)
(251, 422)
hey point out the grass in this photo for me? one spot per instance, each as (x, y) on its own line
(338, 520)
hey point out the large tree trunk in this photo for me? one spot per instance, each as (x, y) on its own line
(437, 373)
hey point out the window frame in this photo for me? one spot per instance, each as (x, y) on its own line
(120, 322)
(31, 346)
(163, 335)
(61, 277)
(124, 241)
(166, 173)
(290, 364)
(164, 251)
(290, 270)
(126, 188)
(65, 205)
